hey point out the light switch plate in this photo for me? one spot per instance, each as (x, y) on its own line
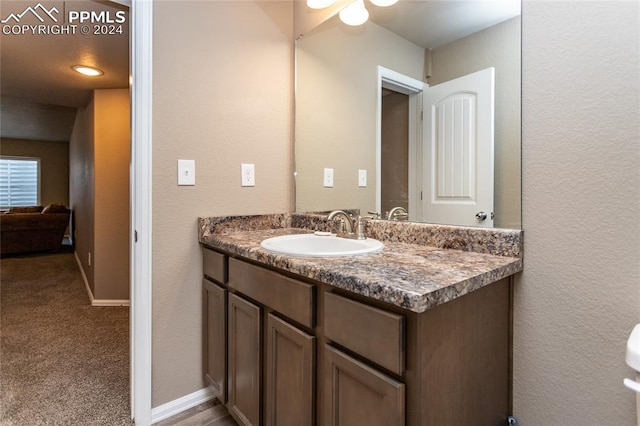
(186, 172)
(248, 172)
(328, 178)
(362, 178)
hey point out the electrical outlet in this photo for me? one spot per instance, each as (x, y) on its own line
(186, 172)
(248, 174)
(328, 178)
(362, 178)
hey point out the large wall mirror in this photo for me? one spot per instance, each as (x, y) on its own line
(400, 111)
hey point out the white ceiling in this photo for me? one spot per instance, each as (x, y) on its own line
(39, 90)
(434, 23)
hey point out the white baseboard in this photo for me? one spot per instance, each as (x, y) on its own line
(94, 301)
(110, 302)
(179, 405)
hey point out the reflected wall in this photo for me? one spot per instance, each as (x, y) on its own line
(336, 81)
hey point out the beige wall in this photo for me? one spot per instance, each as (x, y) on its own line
(579, 295)
(336, 109)
(111, 209)
(498, 47)
(222, 96)
(99, 188)
(81, 187)
(54, 166)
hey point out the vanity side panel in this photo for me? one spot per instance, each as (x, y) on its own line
(464, 359)
(413, 369)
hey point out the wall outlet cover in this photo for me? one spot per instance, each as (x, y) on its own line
(328, 178)
(186, 172)
(248, 173)
(362, 178)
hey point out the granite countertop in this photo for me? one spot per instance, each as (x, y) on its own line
(416, 270)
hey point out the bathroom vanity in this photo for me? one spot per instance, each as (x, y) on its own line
(417, 334)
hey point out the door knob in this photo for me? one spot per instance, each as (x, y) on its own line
(481, 216)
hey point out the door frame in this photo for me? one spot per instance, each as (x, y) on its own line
(406, 85)
(141, 30)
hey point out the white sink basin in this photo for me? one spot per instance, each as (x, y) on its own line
(320, 245)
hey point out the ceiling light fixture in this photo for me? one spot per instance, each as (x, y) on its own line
(355, 13)
(86, 70)
(320, 4)
(384, 3)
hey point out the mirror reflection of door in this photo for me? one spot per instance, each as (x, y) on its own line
(459, 150)
(395, 151)
(443, 174)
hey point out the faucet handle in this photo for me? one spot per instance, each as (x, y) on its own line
(397, 213)
(359, 231)
(374, 215)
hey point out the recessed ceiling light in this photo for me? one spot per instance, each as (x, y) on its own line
(85, 70)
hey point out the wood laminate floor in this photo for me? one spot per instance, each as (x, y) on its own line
(211, 413)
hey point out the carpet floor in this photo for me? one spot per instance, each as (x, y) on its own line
(62, 361)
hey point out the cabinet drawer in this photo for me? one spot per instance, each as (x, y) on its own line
(214, 265)
(290, 297)
(371, 332)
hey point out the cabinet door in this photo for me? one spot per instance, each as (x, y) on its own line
(356, 394)
(244, 361)
(290, 378)
(214, 343)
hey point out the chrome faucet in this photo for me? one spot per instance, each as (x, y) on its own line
(349, 227)
(397, 213)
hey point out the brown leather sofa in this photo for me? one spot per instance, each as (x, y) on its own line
(32, 229)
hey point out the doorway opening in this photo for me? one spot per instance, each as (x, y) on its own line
(394, 167)
(405, 91)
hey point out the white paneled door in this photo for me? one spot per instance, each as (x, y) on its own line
(458, 151)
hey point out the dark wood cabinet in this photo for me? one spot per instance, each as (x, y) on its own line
(245, 354)
(356, 394)
(214, 344)
(283, 351)
(289, 374)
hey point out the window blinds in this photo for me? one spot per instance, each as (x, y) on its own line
(19, 181)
